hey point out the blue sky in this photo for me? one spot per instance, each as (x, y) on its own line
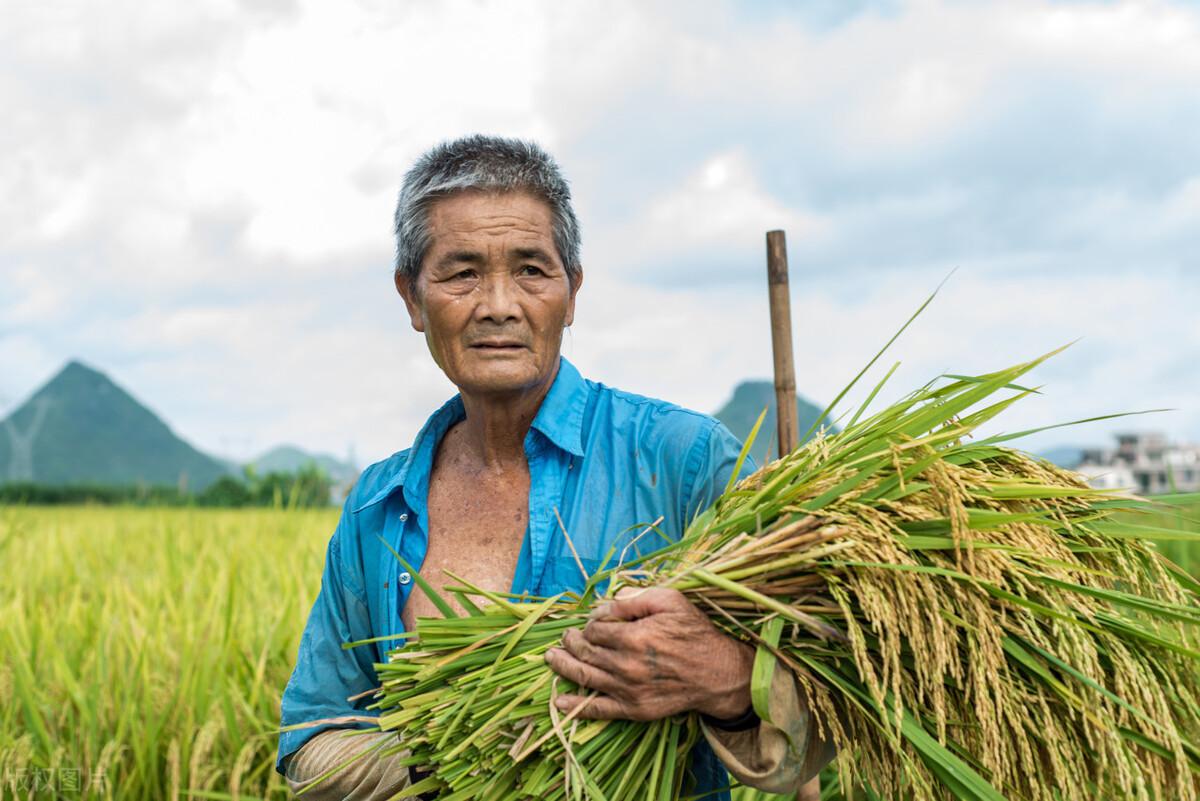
(197, 197)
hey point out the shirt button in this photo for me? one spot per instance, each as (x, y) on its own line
(403, 517)
(405, 577)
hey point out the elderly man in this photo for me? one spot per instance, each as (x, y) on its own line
(488, 267)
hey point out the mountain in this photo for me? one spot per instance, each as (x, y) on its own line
(1067, 456)
(80, 427)
(289, 459)
(747, 403)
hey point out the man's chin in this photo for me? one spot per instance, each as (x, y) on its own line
(500, 377)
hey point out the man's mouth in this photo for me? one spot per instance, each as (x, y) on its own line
(497, 345)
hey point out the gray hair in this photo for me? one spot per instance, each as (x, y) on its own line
(490, 164)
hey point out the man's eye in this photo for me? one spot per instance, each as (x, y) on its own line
(462, 275)
(530, 269)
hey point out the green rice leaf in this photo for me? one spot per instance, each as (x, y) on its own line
(763, 673)
(438, 601)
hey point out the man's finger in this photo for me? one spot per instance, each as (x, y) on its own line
(600, 707)
(650, 602)
(607, 634)
(566, 665)
(580, 647)
(603, 611)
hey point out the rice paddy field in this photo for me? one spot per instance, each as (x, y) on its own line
(143, 652)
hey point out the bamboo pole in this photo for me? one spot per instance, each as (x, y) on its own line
(781, 341)
(779, 299)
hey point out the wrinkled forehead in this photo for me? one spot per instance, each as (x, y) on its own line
(481, 227)
(473, 212)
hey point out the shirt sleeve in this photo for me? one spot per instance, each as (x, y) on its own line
(365, 776)
(777, 758)
(712, 461)
(326, 676)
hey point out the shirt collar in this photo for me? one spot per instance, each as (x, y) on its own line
(559, 419)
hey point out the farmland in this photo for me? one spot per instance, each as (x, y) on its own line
(145, 650)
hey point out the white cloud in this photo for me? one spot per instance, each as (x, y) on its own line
(198, 198)
(1150, 36)
(317, 118)
(709, 215)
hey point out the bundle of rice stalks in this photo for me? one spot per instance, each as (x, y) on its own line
(968, 621)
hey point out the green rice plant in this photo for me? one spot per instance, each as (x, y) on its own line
(143, 651)
(967, 621)
(1177, 516)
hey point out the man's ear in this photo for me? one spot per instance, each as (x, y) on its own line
(575, 284)
(407, 290)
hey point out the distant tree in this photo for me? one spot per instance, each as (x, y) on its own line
(225, 491)
(308, 486)
(30, 493)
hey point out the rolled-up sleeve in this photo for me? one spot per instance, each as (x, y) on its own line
(326, 675)
(363, 776)
(775, 757)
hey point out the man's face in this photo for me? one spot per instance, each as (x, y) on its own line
(492, 296)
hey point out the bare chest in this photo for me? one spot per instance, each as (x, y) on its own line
(477, 522)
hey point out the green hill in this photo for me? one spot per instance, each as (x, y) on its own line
(749, 398)
(1068, 456)
(289, 459)
(82, 428)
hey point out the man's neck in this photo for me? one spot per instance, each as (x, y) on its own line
(493, 433)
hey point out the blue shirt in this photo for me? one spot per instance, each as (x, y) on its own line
(609, 461)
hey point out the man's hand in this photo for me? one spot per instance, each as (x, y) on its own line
(651, 654)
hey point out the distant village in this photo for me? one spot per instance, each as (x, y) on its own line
(1143, 462)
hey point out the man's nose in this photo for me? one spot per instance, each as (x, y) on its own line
(500, 299)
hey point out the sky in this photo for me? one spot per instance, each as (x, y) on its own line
(196, 198)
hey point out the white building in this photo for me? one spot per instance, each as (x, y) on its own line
(1145, 463)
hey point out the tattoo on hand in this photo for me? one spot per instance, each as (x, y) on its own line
(652, 660)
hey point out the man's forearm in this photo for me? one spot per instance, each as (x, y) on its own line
(368, 778)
